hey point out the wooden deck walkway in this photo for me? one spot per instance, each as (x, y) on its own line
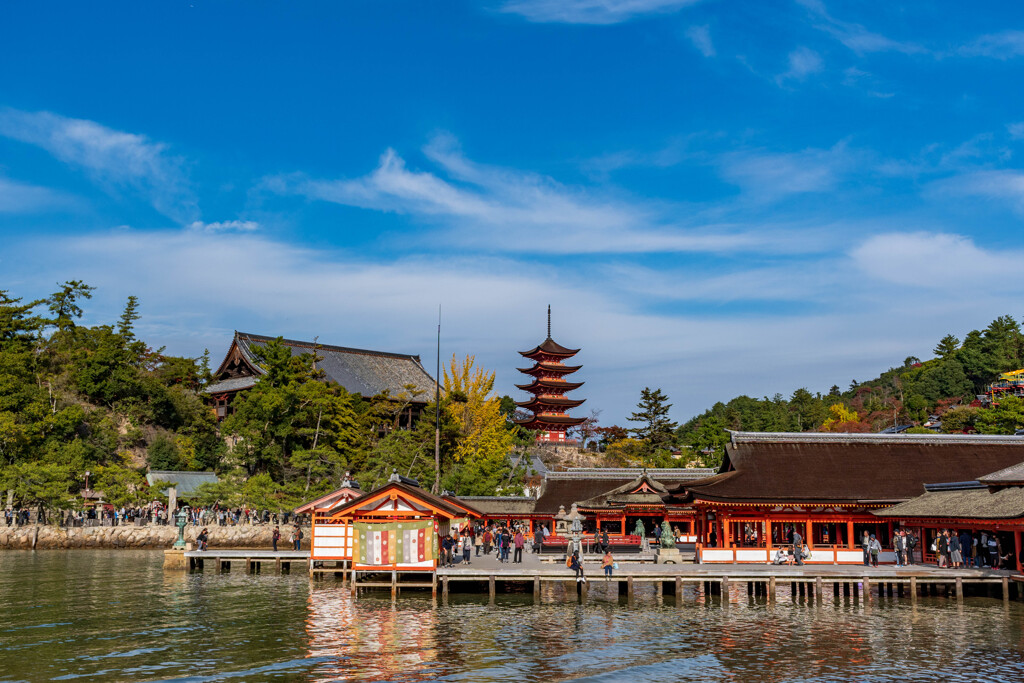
(854, 581)
(252, 560)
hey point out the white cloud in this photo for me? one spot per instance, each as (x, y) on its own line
(1004, 45)
(18, 197)
(852, 325)
(941, 262)
(113, 158)
(803, 62)
(700, 36)
(225, 226)
(500, 209)
(1016, 130)
(590, 11)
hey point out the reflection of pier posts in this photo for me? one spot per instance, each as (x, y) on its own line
(679, 591)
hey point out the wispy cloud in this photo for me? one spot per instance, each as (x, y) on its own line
(855, 36)
(1003, 45)
(18, 197)
(114, 159)
(225, 226)
(803, 62)
(700, 36)
(590, 11)
(1016, 130)
(768, 176)
(493, 208)
(1002, 185)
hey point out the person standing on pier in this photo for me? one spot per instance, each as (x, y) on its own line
(519, 541)
(276, 537)
(607, 563)
(874, 548)
(898, 547)
(538, 539)
(297, 535)
(865, 541)
(798, 547)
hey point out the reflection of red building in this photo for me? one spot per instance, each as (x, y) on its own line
(549, 388)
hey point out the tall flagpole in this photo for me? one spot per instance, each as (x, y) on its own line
(437, 410)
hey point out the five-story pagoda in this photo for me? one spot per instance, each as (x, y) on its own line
(549, 403)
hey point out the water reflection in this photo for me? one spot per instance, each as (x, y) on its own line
(115, 615)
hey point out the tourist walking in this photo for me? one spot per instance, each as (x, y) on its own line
(538, 539)
(898, 547)
(798, 547)
(605, 542)
(941, 548)
(994, 550)
(865, 541)
(276, 537)
(519, 541)
(607, 563)
(467, 547)
(874, 548)
(297, 537)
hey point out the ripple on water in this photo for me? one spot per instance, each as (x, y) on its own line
(116, 615)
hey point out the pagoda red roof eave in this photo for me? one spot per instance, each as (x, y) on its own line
(550, 367)
(553, 402)
(556, 421)
(549, 384)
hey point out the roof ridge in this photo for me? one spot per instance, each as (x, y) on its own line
(330, 347)
(840, 437)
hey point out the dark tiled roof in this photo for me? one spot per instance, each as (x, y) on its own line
(184, 482)
(579, 484)
(358, 370)
(494, 506)
(965, 503)
(1013, 474)
(232, 384)
(849, 468)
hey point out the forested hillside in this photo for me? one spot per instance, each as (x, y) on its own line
(945, 386)
(77, 399)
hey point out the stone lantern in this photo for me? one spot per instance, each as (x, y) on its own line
(560, 523)
(575, 520)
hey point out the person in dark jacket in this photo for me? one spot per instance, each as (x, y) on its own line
(577, 567)
(538, 539)
(276, 537)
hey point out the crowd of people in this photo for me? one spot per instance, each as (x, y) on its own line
(157, 513)
(963, 548)
(508, 542)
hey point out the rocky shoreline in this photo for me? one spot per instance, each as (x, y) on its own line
(43, 536)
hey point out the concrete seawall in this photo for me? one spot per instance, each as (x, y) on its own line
(130, 536)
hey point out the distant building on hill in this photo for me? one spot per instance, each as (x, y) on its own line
(359, 371)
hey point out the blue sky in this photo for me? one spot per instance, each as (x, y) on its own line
(717, 198)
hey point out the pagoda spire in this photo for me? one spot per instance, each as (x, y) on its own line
(549, 321)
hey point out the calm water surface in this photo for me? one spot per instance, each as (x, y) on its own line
(117, 616)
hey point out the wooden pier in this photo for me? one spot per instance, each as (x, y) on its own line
(707, 581)
(252, 561)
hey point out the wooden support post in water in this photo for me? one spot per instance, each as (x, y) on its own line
(959, 589)
(433, 585)
(867, 588)
(817, 588)
(725, 590)
(444, 587)
(771, 589)
(679, 591)
(536, 587)
(394, 584)
(1006, 589)
(629, 589)
(490, 587)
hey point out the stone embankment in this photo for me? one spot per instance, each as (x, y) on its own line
(130, 536)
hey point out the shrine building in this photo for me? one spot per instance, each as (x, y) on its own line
(549, 387)
(828, 487)
(359, 371)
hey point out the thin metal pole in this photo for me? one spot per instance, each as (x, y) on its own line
(437, 410)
